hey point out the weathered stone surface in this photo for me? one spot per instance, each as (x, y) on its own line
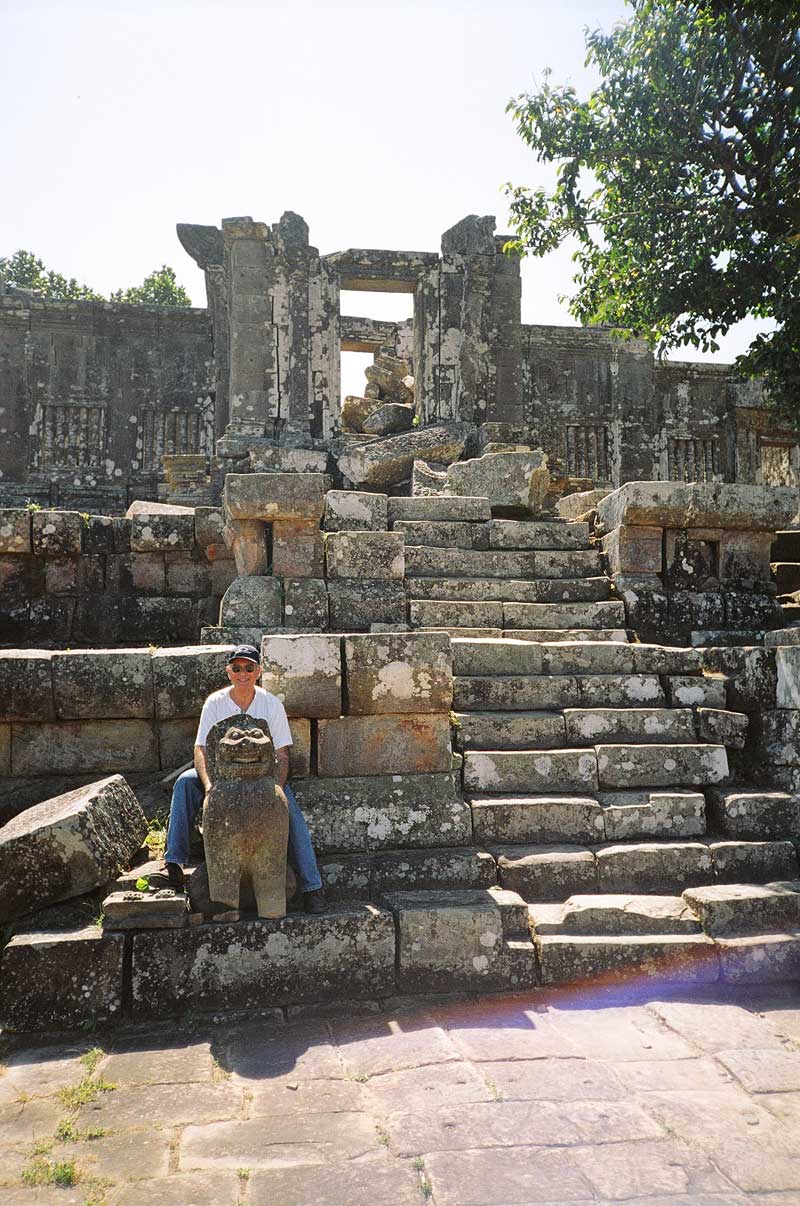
(535, 693)
(357, 603)
(528, 534)
(389, 418)
(15, 530)
(398, 672)
(387, 461)
(432, 869)
(741, 908)
(385, 812)
(588, 726)
(760, 958)
(247, 539)
(459, 940)
(546, 872)
(787, 662)
(383, 745)
(698, 505)
(355, 511)
(209, 523)
(437, 613)
(355, 410)
(615, 915)
(61, 980)
(509, 730)
(534, 770)
(297, 549)
(438, 534)
(536, 820)
(653, 866)
(633, 550)
(751, 676)
(305, 672)
(442, 509)
(183, 677)
(427, 478)
(233, 635)
(687, 691)
(254, 601)
(159, 910)
(271, 496)
(57, 533)
(68, 845)
(661, 765)
(754, 814)
(564, 615)
(102, 683)
(266, 458)
(374, 555)
(486, 656)
(507, 479)
(723, 728)
(245, 817)
(737, 862)
(619, 690)
(162, 533)
(305, 603)
(149, 506)
(675, 959)
(84, 747)
(26, 684)
(256, 964)
(642, 814)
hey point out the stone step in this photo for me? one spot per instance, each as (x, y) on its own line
(530, 770)
(628, 726)
(673, 959)
(542, 819)
(439, 613)
(538, 534)
(513, 590)
(661, 765)
(551, 692)
(462, 941)
(366, 876)
(486, 656)
(424, 562)
(616, 915)
(610, 614)
(509, 730)
(743, 813)
(573, 635)
(442, 508)
(553, 870)
(760, 958)
(511, 656)
(728, 909)
(443, 535)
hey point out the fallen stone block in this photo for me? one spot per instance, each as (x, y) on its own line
(574, 506)
(653, 866)
(674, 959)
(440, 509)
(275, 496)
(729, 909)
(384, 745)
(546, 872)
(84, 747)
(385, 812)
(661, 765)
(68, 845)
(753, 862)
(61, 980)
(507, 479)
(371, 555)
(530, 770)
(388, 461)
(305, 672)
(398, 672)
(754, 814)
(358, 603)
(133, 910)
(355, 511)
(536, 820)
(15, 530)
(160, 533)
(389, 418)
(355, 410)
(185, 676)
(57, 533)
(427, 479)
(26, 684)
(254, 601)
(348, 953)
(298, 549)
(457, 940)
(305, 603)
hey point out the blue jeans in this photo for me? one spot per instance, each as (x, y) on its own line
(187, 800)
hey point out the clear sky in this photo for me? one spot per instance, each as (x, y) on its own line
(381, 123)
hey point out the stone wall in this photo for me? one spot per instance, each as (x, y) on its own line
(94, 395)
(68, 578)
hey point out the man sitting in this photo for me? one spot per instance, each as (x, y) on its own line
(243, 695)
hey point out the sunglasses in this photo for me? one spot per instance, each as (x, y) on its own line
(244, 668)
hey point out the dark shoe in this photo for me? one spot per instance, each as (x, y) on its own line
(169, 875)
(315, 902)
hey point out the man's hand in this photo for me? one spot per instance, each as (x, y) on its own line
(282, 765)
(201, 766)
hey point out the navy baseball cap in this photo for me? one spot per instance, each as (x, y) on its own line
(246, 653)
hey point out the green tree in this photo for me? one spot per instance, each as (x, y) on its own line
(678, 177)
(160, 288)
(24, 270)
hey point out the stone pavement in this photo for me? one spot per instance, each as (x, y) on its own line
(572, 1097)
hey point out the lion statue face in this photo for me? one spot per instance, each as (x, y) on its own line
(240, 747)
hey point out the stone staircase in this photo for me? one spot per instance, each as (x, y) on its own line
(534, 580)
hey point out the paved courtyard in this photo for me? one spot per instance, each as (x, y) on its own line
(644, 1098)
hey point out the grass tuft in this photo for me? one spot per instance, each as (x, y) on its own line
(50, 1172)
(85, 1092)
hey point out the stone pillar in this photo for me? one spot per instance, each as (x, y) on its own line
(205, 245)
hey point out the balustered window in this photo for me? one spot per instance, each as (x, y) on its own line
(71, 436)
(691, 459)
(587, 452)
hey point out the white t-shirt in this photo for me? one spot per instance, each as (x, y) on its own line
(264, 706)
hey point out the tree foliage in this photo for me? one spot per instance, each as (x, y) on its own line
(679, 177)
(23, 270)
